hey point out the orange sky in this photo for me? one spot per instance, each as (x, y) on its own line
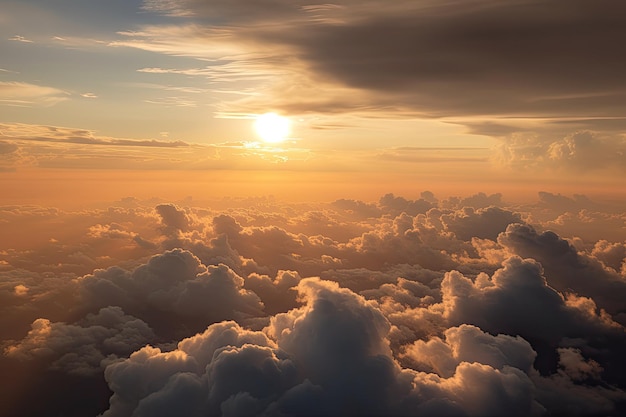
(143, 91)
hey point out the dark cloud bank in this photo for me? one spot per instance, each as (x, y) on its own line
(426, 307)
(527, 58)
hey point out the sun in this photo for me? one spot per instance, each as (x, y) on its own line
(272, 128)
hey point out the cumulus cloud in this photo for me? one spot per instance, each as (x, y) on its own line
(278, 294)
(483, 223)
(561, 394)
(566, 269)
(580, 151)
(590, 225)
(152, 381)
(85, 347)
(332, 356)
(611, 254)
(404, 306)
(173, 287)
(173, 218)
(469, 344)
(498, 304)
(320, 352)
(397, 205)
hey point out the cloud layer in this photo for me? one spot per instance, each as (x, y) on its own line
(551, 64)
(455, 306)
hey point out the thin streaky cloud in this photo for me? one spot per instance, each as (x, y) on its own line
(19, 38)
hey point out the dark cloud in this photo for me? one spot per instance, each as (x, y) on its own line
(566, 269)
(84, 348)
(173, 287)
(391, 203)
(358, 208)
(278, 294)
(483, 223)
(481, 200)
(173, 218)
(498, 304)
(498, 68)
(525, 58)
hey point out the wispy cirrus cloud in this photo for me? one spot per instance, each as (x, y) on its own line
(28, 95)
(56, 134)
(19, 38)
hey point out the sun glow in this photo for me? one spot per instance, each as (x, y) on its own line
(272, 128)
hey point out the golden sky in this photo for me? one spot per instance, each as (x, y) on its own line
(454, 96)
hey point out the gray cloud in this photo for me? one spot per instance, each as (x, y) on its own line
(174, 292)
(455, 59)
(566, 269)
(497, 304)
(516, 58)
(173, 218)
(84, 348)
(483, 223)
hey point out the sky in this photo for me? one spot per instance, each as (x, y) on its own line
(438, 227)
(458, 96)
